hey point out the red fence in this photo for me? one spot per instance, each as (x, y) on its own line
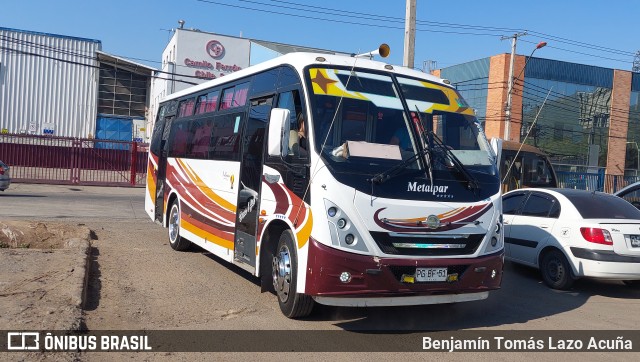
(58, 160)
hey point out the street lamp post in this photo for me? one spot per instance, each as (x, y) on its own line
(507, 128)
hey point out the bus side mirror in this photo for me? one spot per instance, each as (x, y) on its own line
(278, 142)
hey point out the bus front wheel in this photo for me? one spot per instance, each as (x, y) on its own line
(285, 275)
(177, 242)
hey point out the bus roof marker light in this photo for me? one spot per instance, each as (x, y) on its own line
(321, 59)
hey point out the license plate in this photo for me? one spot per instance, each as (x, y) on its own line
(635, 241)
(431, 274)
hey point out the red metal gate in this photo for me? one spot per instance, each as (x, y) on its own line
(58, 160)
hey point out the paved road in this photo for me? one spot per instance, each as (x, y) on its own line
(138, 281)
(71, 202)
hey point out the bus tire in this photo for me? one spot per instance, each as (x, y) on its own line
(284, 273)
(176, 241)
(556, 271)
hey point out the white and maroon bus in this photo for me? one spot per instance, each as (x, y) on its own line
(335, 180)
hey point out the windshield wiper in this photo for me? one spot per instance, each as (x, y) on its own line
(472, 183)
(386, 175)
(433, 138)
(426, 151)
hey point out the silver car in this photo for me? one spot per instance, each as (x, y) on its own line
(5, 179)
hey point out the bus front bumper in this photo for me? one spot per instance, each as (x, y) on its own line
(335, 277)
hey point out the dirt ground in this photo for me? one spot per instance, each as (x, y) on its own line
(42, 274)
(39, 235)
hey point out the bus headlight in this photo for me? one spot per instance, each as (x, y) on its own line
(344, 233)
(332, 211)
(349, 239)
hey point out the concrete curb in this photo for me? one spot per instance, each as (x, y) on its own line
(82, 247)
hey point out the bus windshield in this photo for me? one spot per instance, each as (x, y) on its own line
(360, 124)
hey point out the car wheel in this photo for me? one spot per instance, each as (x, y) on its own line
(635, 284)
(177, 242)
(555, 269)
(284, 272)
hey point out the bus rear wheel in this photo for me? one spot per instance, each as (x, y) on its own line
(177, 242)
(285, 275)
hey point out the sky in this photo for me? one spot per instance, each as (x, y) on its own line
(599, 33)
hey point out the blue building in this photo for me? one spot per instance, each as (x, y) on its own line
(589, 121)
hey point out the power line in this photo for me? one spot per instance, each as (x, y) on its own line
(22, 52)
(492, 30)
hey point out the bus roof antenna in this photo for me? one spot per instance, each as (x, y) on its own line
(383, 50)
(181, 22)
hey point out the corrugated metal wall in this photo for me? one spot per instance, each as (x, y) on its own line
(48, 83)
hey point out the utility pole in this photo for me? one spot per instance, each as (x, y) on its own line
(507, 126)
(409, 34)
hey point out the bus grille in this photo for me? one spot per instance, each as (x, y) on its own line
(424, 246)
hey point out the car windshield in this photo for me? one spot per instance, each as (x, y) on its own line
(360, 124)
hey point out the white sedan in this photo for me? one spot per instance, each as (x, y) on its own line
(569, 234)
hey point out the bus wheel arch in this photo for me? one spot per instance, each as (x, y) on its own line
(170, 200)
(284, 272)
(268, 245)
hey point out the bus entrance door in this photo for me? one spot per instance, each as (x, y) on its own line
(253, 138)
(162, 169)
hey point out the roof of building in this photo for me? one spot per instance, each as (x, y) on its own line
(52, 35)
(123, 63)
(287, 48)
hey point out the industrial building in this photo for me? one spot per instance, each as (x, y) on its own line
(66, 86)
(590, 121)
(58, 85)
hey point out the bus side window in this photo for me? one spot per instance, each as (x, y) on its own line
(291, 100)
(180, 139)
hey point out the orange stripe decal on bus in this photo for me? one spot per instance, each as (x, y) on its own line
(151, 182)
(206, 235)
(305, 232)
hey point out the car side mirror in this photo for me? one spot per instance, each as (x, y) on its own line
(278, 142)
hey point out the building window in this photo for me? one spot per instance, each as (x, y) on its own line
(121, 92)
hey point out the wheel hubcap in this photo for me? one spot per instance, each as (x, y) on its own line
(555, 270)
(173, 224)
(282, 273)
